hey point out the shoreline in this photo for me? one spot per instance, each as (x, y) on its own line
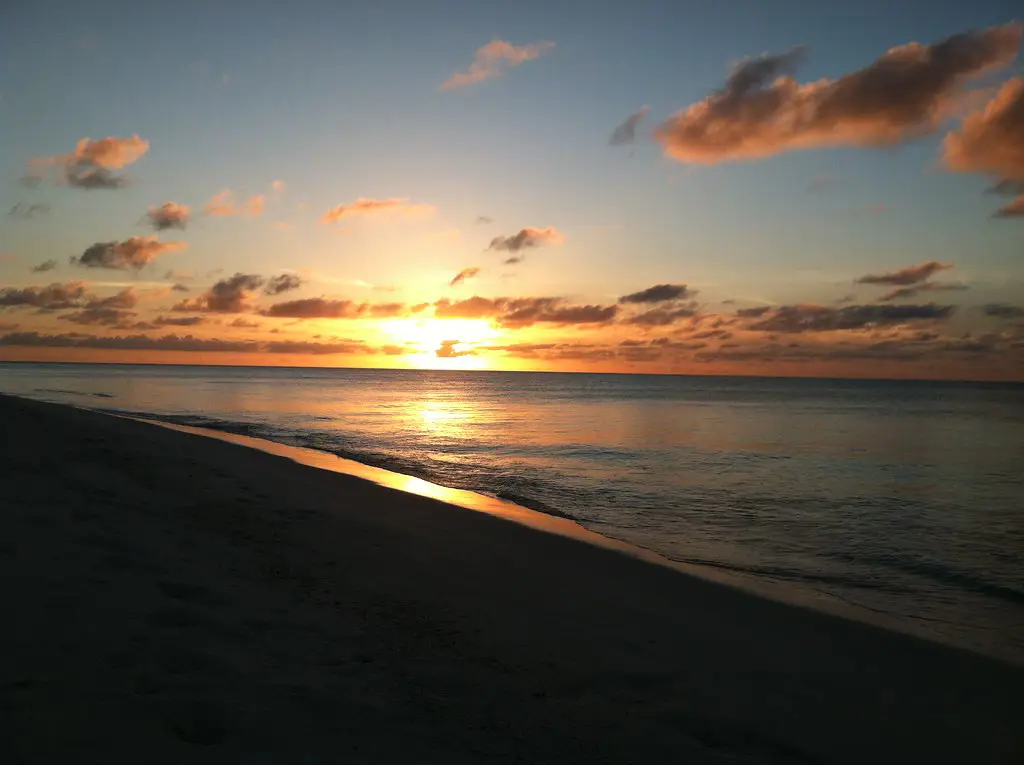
(552, 523)
(189, 599)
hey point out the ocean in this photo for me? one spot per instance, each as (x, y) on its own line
(899, 500)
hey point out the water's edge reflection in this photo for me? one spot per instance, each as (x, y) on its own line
(539, 521)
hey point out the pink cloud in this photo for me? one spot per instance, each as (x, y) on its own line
(365, 206)
(493, 60)
(762, 111)
(223, 203)
(989, 141)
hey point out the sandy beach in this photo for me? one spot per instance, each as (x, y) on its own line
(174, 598)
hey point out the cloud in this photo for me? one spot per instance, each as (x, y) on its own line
(463, 275)
(283, 283)
(187, 343)
(231, 295)
(168, 215)
(365, 206)
(89, 166)
(223, 203)
(244, 323)
(1003, 311)
(128, 342)
(659, 317)
(753, 313)
(527, 238)
(513, 260)
(905, 93)
(493, 60)
(905, 292)
(178, 321)
(989, 141)
(626, 132)
(180, 288)
(126, 298)
(483, 220)
(906, 276)
(102, 316)
(46, 265)
(316, 308)
(278, 185)
(659, 293)
(523, 312)
(26, 211)
(136, 252)
(1013, 209)
(447, 350)
(51, 298)
(816, 318)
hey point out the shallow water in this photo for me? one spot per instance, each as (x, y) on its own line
(902, 498)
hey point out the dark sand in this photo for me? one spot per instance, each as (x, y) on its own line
(173, 598)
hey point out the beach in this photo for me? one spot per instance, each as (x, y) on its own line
(176, 598)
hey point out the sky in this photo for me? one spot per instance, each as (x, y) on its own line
(794, 188)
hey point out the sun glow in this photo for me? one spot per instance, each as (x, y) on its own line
(446, 343)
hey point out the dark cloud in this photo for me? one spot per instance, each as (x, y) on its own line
(46, 265)
(85, 176)
(185, 343)
(133, 253)
(816, 318)
(463, 275)
(658, 294)
(99, 316)
(126, 298)
(54, 297)
(522, 312)
(761, 112)
(626, 132)
(483, 220)
(180, 288)
(513, 260)
(127, 342)
(1003, 311)
(168, 215)
(244, 323)
(231, 295)
(753, 313)
(178, 321)
(316, 308)
(283, 283)
(660, 317)
(905, 292)
(26, 211)
(907, 276)
(527, 238)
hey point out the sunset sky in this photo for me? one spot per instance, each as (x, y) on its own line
(791, 188)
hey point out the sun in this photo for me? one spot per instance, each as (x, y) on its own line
(424, 337)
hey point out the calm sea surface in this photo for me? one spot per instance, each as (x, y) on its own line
(903, 499)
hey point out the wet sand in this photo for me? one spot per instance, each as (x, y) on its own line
(174, 598)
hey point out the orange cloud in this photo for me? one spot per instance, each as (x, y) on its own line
(89, 165)
(168, 215)
(989, 141)
(493, 60)
(762, 111)
(135, 253)
(223, 203)
(463, 275)
(366, 206)
(527, 238)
